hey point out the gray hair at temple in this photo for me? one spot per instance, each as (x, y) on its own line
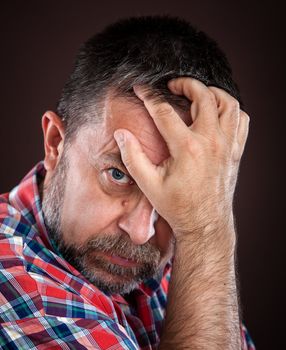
(140, 50)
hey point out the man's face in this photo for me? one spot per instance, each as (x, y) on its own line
(99, 218)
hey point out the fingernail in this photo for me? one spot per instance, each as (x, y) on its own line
(119, 138)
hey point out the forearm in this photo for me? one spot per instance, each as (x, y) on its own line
(203, 310)
(199, 175)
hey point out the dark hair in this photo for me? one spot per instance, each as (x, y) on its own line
(140, 50)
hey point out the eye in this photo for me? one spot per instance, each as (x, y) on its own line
(119, 176)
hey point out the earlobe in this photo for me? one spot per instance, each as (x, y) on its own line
(53, 131)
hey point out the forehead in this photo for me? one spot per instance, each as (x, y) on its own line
(123, 113)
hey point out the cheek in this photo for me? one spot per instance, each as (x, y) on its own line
(87, 211)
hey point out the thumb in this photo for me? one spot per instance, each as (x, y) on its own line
(139, 166)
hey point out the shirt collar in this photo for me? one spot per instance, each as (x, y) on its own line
(148, 287)
(26, 199)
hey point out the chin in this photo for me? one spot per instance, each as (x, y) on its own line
(109, 283)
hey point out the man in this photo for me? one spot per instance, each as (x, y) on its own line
(123, 237)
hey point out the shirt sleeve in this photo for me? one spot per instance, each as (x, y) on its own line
(55, 333)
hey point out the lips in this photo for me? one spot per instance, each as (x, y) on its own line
(122, 261)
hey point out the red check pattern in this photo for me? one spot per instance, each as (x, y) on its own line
(45, 303)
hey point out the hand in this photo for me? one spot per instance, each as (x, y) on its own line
(194, 187)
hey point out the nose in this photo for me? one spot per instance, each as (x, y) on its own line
(138, 222)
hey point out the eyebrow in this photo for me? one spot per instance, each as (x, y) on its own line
(114, 158)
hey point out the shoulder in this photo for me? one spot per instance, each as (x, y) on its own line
(12, 221)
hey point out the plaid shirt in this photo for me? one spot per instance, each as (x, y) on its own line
(46, 304)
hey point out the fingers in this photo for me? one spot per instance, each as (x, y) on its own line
(233, 121)
(228, 117)
(243, 129)
(204, 105)
(170, 125)
(213, 110)
(229, 112)
(137, 163)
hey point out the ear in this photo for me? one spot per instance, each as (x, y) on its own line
(53, 139)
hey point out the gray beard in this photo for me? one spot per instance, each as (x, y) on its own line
(109, 278)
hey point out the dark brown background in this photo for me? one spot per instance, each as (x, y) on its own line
(38, 44)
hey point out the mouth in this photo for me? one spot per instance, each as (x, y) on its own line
(118, 260)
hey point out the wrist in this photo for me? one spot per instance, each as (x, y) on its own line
(210, 240)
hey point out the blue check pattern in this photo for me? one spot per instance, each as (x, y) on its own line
(45, 303)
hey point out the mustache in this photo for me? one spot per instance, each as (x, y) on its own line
(120, 246)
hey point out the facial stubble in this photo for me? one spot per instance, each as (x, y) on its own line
(88, 258)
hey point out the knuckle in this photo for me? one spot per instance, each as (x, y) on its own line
(193, 145)
(211, 97)
(207, 98)
(215, 150)
(245, 116)
(218, 145)
(233, 105)
(219, 148)
(164, 109)
(208, 104)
